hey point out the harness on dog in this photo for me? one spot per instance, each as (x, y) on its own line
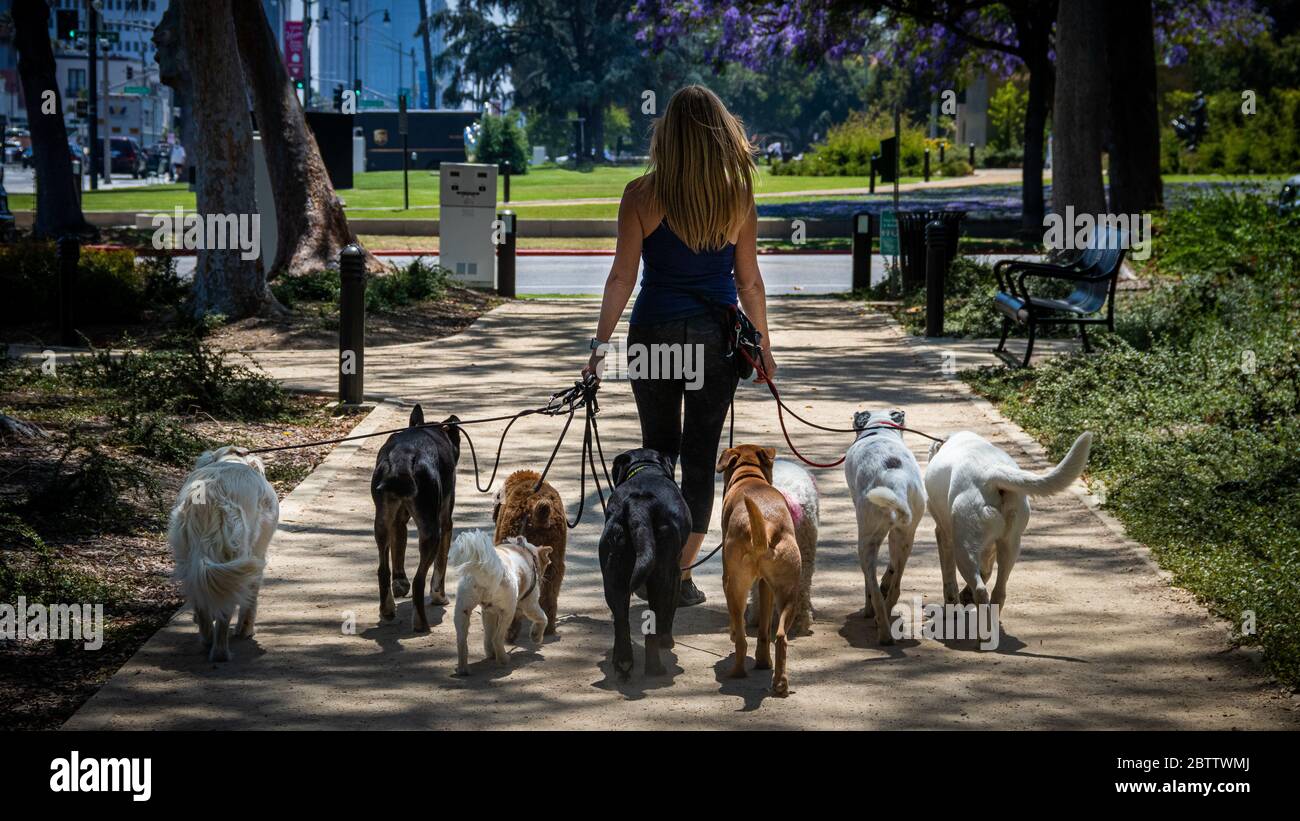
(532, 559)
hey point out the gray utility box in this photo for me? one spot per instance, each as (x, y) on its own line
(468, 207)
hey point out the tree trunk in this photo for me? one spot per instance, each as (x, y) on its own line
(598, 132)
(1081, 100)
(426, 34)
(1135, 184)
(224, 282)
(174, 72)
(58, 209)
(311, 226)
(1036, 111)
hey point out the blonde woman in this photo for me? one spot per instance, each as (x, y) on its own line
(691, 218)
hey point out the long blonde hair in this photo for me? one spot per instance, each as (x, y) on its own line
(701, 169)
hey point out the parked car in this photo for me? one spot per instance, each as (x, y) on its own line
(127, 157)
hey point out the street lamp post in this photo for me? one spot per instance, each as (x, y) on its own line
(356, 23)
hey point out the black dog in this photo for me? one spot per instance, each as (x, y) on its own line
(646, 527)
(415, 476)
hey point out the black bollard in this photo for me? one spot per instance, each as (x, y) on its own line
(506, 255)
(69, 254)
(505, 179)
(862, 235)
(352, 325)
(927, 165)
(936, 271)
(972, 156)
(875, 158)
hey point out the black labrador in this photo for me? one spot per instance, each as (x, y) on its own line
(647, 523)
(415, 477)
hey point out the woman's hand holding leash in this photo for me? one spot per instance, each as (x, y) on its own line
(769, 366)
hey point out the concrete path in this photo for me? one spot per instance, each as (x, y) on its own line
(1093, 636)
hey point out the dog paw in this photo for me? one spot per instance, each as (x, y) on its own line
(461, 672)
(738, 672)
(885, 638)
(655, 668)
(762, 664)
(438, 599)
(420, 627)
(401, 587)
(247, 632)
(781, 687)
(967, 596)
(550, 628)
(512, 634)
(537, 634)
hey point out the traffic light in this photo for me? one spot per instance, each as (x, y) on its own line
(298, 84)
(338, 98)
(356, 86)
(67, 22)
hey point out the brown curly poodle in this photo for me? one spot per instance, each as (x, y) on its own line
(541, 515)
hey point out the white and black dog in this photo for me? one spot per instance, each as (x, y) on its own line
(505, 580)
(220, 528)
(889, 498)
(979, 498)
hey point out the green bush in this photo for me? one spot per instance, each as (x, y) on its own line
(1267, 141)
(1195, 404)
(955, 168)
(418, 281)
(1002, 158)
(503, 140)
(848, 147)
(42, 578)
(109, 286)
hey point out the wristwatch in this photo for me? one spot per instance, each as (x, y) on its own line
(596, 343)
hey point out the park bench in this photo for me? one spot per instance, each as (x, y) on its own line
(1094, 272)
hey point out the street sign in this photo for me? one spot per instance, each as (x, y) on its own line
(889, 234)
(371, 104)
(293, 48)
(136, 90)
(110, 36)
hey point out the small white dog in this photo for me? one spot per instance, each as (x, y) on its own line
(889, 498)
(979, 498)
(221, 525)
(799, 488)
(504, 579)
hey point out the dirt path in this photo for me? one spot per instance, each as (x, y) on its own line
(1093, 637)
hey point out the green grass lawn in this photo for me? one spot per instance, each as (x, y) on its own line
(379, 193)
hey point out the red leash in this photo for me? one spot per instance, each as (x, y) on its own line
(780, 415)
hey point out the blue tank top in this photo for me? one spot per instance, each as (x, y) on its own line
(670, 267)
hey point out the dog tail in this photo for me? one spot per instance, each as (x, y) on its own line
(643, 547)
(474, 553)
(883, 497)
(1055, 480)
(200, 532)
(218, 586)
(757, 527)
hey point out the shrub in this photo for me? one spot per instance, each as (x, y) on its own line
(1235, 143)
(848, 147)
(418, 281)
(30, 568)
(956, 168)
(109, 286)
(503, 140)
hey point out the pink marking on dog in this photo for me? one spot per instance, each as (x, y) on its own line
(796, 510)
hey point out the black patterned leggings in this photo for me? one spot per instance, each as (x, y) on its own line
(691, 435)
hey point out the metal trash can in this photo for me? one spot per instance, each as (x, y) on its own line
(911, 242)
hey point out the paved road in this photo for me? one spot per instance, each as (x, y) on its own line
(19, 180)
(1093, 637)
(783, 274)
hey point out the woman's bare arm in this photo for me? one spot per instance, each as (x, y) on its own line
(622, 272)
(749, 284)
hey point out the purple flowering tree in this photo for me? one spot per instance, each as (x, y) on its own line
(942, 40)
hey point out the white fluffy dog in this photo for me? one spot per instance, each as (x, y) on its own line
(223, 521)
(503, 578)
(889, 498)
(799, 488)
(979, 498)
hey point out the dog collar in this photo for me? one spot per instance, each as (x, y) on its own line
(640, 466)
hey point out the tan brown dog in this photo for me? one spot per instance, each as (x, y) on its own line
(758, 542)
(544, 525)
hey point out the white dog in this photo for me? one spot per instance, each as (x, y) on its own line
(503, 578)
(221, 525)
(979, 498)
(799, 488)
(889, 497)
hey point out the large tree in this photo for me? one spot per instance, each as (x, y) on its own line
(944, 40)
(200, 34)
(1081, 98)
(425, 33)
(560, 55)
(58, 206)
(310, 224)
